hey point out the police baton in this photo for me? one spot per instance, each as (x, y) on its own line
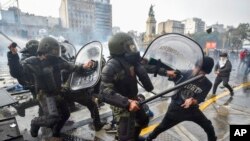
(7, 37)
(172, 89)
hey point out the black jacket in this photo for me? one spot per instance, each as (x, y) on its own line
(119, 81)
(225, 70)
(14, 65)
(197, 89)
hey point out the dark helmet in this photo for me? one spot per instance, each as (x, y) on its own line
(49, 46)
(121, 43)
(224, 54)
(13, 44)
(30, 47)
(207, 65)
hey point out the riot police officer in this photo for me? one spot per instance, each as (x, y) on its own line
(30, 49)
(45, 68)
(84, 97)
(119, 86)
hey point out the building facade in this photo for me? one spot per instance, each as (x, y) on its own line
(103, 20)
(90, 19)
(218, 28)
(170, 26)
(17, 23)
(193, 25)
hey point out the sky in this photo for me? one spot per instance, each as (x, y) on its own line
(132, 14)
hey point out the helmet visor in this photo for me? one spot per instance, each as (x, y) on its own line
(131, 46)
(55, 52)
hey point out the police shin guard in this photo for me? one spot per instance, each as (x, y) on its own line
(52, 107)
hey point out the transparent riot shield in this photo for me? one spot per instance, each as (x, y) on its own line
(91, 51)
(68, 51)
(174, 51)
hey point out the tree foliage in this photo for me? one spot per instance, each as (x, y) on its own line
(238, 35)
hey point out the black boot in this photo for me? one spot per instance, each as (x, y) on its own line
(22, 106)
(148, 138)
(20, 110)
(95, 116)
(99, 126)
(42, 121)
(141, 138)
(34, 129)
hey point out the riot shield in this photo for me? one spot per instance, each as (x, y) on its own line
(68, 51)
(91, 51)
(173, 51)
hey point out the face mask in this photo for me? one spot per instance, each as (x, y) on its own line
(52, 59)
(222, 61)
(133, 58)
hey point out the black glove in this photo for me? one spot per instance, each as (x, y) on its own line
(178, 76)
(95, 65)
(177, 72)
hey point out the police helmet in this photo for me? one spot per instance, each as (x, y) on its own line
(30, 47)
(121, 43)
(49, 46)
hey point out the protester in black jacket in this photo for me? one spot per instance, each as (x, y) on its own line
(27, 81)
(223, 69)
(14, 64)
(184, 104)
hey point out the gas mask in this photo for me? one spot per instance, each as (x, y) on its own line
(53, 56)
(132, 54)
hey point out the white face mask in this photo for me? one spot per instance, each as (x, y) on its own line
(222, 61)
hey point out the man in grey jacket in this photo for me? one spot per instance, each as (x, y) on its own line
(222, 70)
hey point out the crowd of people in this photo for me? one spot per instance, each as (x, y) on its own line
(42, 67)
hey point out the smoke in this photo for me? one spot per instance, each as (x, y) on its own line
(5, 42)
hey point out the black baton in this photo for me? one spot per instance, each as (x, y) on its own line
(173, 88)
(8, 38)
